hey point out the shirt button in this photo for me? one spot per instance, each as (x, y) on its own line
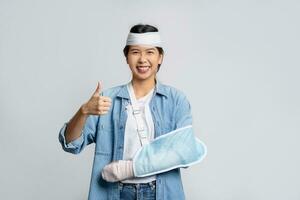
(121, 127)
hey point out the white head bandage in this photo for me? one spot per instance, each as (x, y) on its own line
(149, 38)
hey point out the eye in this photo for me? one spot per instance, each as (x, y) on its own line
(150, 52)
(134, 52)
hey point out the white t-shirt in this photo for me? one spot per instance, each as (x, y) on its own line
(131, 139)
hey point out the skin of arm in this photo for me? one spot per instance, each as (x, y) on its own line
(96, 105)
(75, 125)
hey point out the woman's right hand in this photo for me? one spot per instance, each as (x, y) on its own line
(97, 104)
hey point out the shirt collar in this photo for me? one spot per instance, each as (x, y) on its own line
(159, 89)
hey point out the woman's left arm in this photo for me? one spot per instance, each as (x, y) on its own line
(182, 112)
(123, 169)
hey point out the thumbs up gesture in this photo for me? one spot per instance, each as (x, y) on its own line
(97, 105)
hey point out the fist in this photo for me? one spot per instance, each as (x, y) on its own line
(97, 104)
(118, 171)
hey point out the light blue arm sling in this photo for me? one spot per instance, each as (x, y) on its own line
(178, 148)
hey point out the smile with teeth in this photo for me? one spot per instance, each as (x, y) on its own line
(143, 69)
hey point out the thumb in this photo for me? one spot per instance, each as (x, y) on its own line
(98, 89)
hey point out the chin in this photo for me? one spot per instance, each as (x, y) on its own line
(143, 78)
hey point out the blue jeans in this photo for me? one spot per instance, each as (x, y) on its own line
(140, 191)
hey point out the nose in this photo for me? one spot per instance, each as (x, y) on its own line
(142, 58)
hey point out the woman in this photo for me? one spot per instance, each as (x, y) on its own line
(121, 120)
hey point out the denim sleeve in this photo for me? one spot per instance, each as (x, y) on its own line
(87, 136)
(183, 116)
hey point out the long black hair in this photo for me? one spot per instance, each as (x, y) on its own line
(143, 28)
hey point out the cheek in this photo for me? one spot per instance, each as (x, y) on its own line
(130, 61)
(156, 60)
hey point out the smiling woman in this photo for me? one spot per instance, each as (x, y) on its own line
(151, 30)
(143, 61)
(137, 113)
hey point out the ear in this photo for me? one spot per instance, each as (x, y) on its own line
(161, 57)
(127, 60)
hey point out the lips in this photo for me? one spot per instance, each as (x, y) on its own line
(143, 69)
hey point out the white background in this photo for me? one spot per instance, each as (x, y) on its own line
(237, 61)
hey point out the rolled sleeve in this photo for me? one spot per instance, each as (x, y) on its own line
(72, 146)
(87, 136)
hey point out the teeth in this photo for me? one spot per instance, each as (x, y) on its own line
(143, 69)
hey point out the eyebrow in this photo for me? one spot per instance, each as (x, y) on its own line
(133, 49)
(150, 49)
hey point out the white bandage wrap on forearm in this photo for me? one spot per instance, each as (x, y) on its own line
(118, 171)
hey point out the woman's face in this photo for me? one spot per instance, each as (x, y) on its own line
(143, 61)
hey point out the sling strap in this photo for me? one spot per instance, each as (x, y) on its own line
(137, 113)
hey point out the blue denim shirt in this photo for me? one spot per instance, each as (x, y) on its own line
(170, 110)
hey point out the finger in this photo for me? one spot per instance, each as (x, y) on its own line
(105, 108)
(102, 108)
(98, 89)
(106, 99)
(101, 103)
(98, 112)
(103, 112)
(105, 104)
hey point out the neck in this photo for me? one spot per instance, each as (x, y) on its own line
(142, 87)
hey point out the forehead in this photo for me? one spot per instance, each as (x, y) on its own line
(142, 47)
